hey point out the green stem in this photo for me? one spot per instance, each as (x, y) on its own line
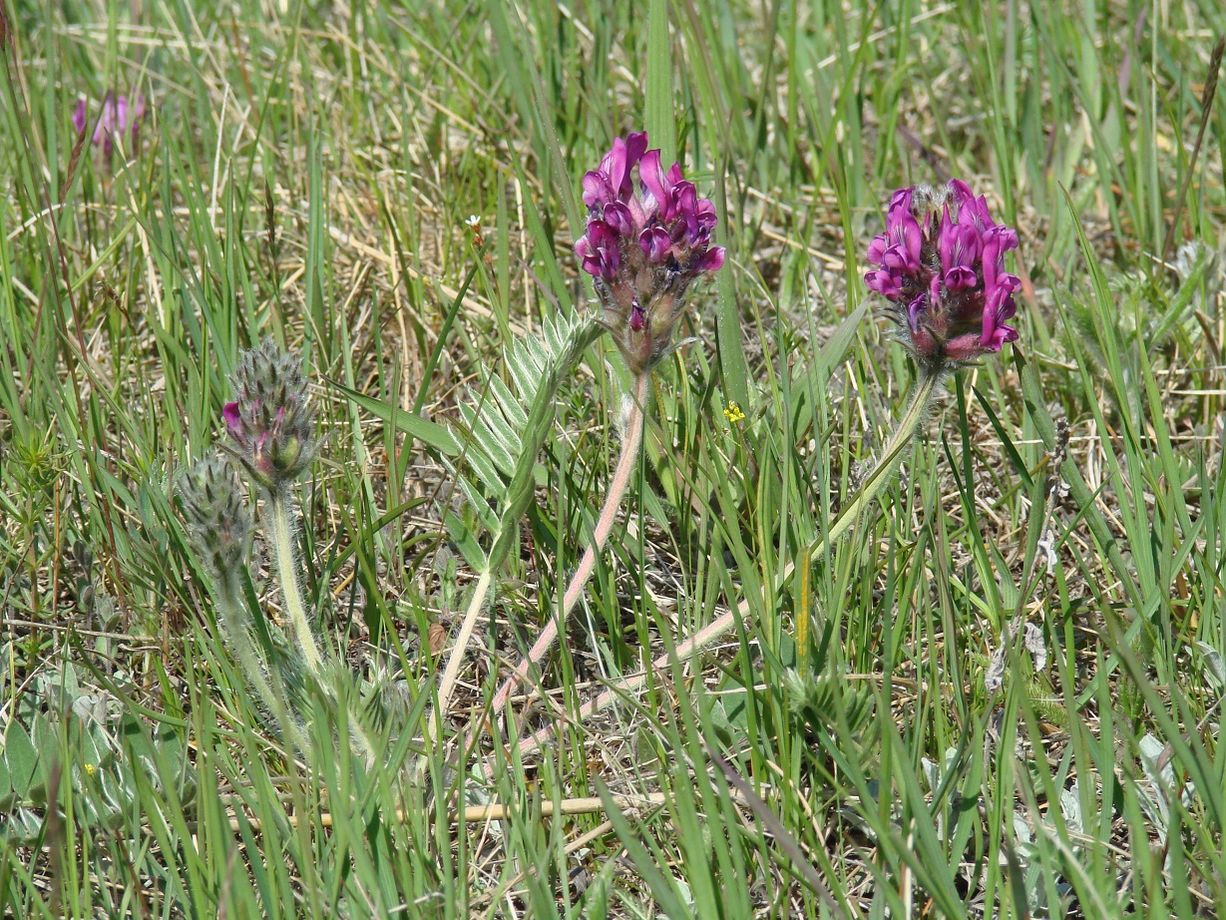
(281, 533)
(234, 632)
(237, 635)
(891, 453)
(452, 672)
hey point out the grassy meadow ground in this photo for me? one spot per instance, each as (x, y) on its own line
(999, 696)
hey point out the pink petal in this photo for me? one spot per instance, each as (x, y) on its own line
(636, 146)
(712, 259)
(233, 419)
(595, 188)
(653, 178)
(877, 248)
(655, 243)
(618, 216)
(614, 165)
(901, 199)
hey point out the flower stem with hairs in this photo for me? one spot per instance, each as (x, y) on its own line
(272, 430)
(237, 634)
(941, 266)
(281, 535)
(219, 524)
(604, 525)
(870, 488)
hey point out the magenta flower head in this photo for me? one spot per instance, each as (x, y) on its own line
(120, 116)
(270, 420)
(940, 263)
(648, 238)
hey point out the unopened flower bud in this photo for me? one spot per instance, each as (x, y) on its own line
(218, 519)
(270, 420)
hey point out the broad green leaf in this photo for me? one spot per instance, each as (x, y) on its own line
(661, 113)
(21, 757)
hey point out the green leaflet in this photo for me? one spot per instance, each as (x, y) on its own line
(506, 422)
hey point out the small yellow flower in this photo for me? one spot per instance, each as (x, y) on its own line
(90, 769)
(733, 413)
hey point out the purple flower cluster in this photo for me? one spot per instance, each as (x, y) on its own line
(941, 263)
(270, 421)
(645, 243)
(119, 116)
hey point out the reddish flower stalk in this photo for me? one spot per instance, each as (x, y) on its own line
(645, 244)
(604, 526)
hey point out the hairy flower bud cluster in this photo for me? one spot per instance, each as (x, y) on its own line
(645, 243)
(270, 421)
(120, 116)
(218, 519)
(941, 263)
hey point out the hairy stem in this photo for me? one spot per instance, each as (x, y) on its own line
(604, 525)
(236, 632)
(281, 533)
(891, 453)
